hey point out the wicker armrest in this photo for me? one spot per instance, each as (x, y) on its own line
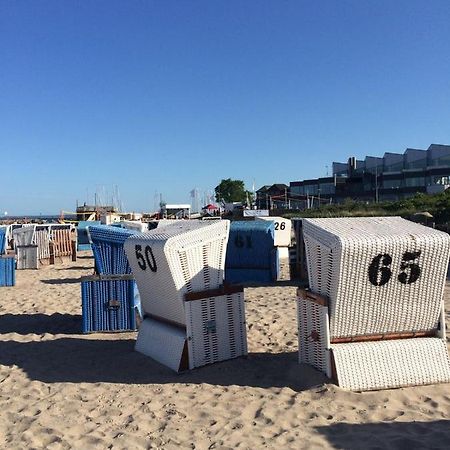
(225, 289)
(306, 294)
(384, 337)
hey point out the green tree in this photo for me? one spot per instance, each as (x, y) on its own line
(231, 191)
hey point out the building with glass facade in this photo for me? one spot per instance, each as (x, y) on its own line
(389, 178)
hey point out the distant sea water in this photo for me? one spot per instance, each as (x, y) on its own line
(36, 218)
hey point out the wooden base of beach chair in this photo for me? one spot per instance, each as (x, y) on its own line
(215, 331)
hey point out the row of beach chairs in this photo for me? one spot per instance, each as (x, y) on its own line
(373, 317)
(38, 244)
(251, 256)
(28, 246)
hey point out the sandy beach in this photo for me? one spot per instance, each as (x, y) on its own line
(61, 389)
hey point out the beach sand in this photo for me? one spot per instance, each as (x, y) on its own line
(62, 389)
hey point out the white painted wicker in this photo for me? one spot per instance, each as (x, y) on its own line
(365, 366)
(341, 253)
(27, 257)
(164, 222)
(179, 258)
(216, 329)
(135, 225)
(24, 235)
(313, 335)
(382, 281)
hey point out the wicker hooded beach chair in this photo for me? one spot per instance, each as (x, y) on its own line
(251, 253)
(374, 317)
(110, 299)
(54, 241)
(190, 317)
(107, 246)
(24, 247)
(24, 235)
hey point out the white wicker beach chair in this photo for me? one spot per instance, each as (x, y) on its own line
(374, 317)
(190, 317)
(24, 235)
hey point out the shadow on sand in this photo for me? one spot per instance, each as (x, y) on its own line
(62, 281)
(88, 360)
(40, 323)
(395, 435)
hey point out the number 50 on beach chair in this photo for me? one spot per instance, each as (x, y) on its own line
(190, 317)
(374, 317)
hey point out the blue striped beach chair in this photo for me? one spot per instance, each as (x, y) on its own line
(107, 246)
(110, 301)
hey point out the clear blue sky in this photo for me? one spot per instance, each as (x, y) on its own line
(170, 95)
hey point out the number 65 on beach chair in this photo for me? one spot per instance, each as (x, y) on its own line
(374, 317)
(190, 317)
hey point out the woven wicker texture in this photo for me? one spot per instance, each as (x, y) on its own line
(168, 262)
(381, 274)
(108, 305)
(107, 247)
(313, 339)
(250, 245)
(216, 329)
(27, 257)
(83, 242)
(7, 271)
(24, 235)
(135, 225)
(164, 343)
(365, 366)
